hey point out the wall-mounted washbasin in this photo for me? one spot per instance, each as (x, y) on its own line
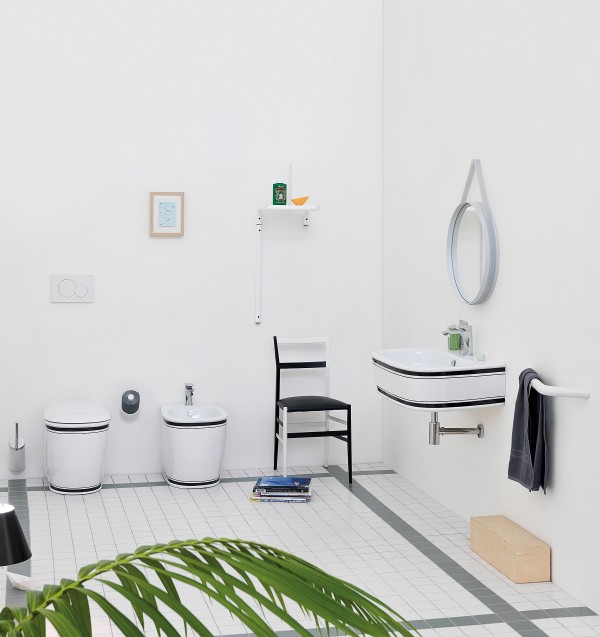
(436, 380)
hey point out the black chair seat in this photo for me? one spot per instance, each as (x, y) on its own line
(311, 403)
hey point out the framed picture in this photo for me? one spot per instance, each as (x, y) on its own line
(166, 214)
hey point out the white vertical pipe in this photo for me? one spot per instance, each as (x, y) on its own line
(257, 284)
(289, 186)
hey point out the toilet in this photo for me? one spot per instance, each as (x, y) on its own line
(75, 442)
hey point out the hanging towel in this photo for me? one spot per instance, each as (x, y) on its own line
(528, 463)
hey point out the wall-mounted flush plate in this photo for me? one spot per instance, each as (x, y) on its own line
(72, 288)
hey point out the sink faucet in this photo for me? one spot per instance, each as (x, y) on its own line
(189, 394)
(465, 334)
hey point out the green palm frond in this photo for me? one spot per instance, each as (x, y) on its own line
(246, 578)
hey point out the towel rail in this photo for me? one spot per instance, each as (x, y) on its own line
(565, 392)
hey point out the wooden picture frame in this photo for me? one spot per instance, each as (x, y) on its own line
(166, 214)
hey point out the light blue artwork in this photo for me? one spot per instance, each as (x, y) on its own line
(167, 214)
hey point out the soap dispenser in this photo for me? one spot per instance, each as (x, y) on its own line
(453, 333)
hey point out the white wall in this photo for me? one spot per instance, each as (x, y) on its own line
(515, 84)
(100, 104)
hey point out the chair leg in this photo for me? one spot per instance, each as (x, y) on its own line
(349, 417)
(284, 441)
(276, 440)
(326, 463)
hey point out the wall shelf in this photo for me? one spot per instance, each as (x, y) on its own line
(292, 208)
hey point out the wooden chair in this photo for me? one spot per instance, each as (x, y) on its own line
(297, 404)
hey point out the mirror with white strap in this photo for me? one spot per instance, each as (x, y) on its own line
(472, 249)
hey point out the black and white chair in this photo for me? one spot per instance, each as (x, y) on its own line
(307, 354)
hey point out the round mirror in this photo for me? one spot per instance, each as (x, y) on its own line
(472, 252)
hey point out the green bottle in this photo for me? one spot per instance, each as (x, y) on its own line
(453, 342)
(279, 194)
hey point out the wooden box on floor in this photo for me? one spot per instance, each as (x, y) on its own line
(515, 552)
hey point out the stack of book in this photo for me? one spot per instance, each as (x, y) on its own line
(280, 489)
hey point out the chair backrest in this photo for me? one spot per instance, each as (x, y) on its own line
(301, 353)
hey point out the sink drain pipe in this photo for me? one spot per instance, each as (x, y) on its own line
(435, 431)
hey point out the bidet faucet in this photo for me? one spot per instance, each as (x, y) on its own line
(189, 394)
(465, 334)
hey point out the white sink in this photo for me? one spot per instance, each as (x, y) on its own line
(436, 380)
(200, 413)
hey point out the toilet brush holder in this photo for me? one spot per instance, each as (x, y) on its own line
(16, 453)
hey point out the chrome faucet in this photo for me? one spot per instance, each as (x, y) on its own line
(465, 334)
(189, 394)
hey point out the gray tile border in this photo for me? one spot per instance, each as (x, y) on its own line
(437, 622)
(467, 620)
(459, 574)
(488, 619)
(580, 611)
(568, 611)
(442, 622)
(17, 496)
(557, 612)
(163, 483)
(536, 614)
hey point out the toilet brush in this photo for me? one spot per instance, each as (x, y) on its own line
(16, 453)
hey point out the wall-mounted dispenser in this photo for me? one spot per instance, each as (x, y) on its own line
(130, 402)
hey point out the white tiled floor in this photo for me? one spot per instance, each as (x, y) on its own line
(336, 531)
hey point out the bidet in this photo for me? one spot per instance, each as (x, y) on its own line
(192, 443)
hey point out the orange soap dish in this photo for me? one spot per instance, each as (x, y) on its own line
(299, 201)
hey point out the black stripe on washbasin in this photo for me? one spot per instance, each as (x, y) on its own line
(454, 372)
(435, 406)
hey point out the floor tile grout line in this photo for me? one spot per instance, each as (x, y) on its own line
(449, 566)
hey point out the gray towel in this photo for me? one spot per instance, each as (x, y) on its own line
(528, 463)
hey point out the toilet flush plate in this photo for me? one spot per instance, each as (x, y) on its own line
(72, 288)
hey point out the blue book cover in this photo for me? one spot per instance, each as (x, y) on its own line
(279, 483)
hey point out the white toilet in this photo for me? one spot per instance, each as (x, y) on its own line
(75, 440)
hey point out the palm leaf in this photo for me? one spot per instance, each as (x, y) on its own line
(244, 577)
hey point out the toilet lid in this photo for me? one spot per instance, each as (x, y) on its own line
(74, 414)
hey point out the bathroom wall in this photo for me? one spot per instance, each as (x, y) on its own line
(102, 103)
(515, 84)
